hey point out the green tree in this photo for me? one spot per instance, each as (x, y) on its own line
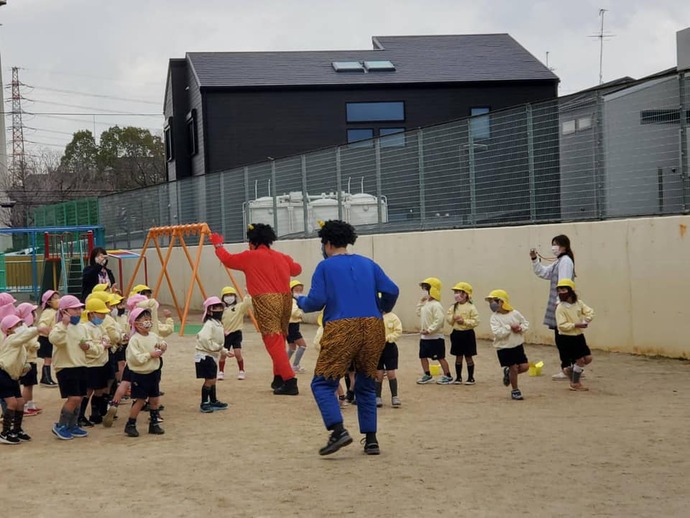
(131, 157)
(81, 154)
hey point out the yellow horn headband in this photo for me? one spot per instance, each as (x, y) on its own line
(321, 223)
(250, 226)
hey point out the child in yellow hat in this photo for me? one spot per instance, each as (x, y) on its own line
(233, 321)
(572, 316)
(463, 317)
(508, 327)
(296, 343)
(431, 343)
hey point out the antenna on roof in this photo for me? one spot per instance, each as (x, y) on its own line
(547, 62)
(601, 36)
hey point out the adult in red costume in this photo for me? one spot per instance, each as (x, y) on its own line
(267, 273)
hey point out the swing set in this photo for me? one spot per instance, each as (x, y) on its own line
(175, 234)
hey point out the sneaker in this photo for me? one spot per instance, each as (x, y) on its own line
(84, 422)
(206, 408)
(578, 387)
(395, 402)
(110, 416)
(131, 430)
(221, 375)
(22, 435)
(96, 419)
(344, 403)
(335, 442)
(379, 402)
(458, 381)
(445, 380)
(61, 432)
(516, 395)
(9, 438)
(427, 378)
(240, 375)
(298, 369)
(155, 429)
(78, 432)
(28, 412)
(48, 383)
(506, 376)
(371, 448)
(219, 405)
(560, 376)
(470, 381)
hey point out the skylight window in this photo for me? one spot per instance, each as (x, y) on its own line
(347, 66)
(379, 66)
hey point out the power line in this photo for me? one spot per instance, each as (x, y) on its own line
(100, 96)
(77, 74)
(53, 103)
(88, 114)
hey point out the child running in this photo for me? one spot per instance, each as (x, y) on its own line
(388, 362)
(27, 312)
(464, 318)
(209, 344)
(572, 316)
(296, 343)
(233, 320)
(13, 365)
(144, 353)
(508, 327)
(431, 343)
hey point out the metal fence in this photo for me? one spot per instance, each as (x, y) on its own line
(612, 152)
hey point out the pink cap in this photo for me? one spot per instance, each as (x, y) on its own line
(6, 298)
(46, 297)
(133, 315)
(70, 302)
(211, 301)
(25, 312)
(8, 322)
(133, 301)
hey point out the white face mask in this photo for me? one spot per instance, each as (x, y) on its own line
(229, 299)
(556, 250)
(425, 293)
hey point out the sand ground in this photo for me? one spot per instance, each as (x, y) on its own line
(619, 450)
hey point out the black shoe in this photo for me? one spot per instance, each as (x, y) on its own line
(277, 382)
(9, 438)
(48, 383)
(336, 441)
(84, 422)
(289, 388)
(371, 448)
(96, 419)
(155, 429)
(131, 430)
(22, 435)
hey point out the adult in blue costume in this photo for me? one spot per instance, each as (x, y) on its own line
(347, 287)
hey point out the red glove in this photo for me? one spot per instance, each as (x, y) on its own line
(216, 239)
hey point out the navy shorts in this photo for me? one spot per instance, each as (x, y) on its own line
(97, 377)
(434, 349)
(463, 343)
(30, 378)
(72, 381)
(127, 374)
(293, 332)
(206, 368)
(233, 340)
(512, 356)
(389, 357)
(575, 347)
(45, 349)
(8, 386)
(146, 385)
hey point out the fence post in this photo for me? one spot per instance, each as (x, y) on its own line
(530, 165)
(338, 183)
(599, 191)
(222, 203)
(472, 174)
(305, 196)
(684, 113)
(275, 197)
(377, 160)
(420, 158)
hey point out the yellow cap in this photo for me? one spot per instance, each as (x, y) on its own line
(435, 290)
(99, 287)
(463, 286)
(100, 295)
(295, 283)
(228, 290)
(139, 288)
(95, 305)
(501, 295)
(115, 299)
(566, 283)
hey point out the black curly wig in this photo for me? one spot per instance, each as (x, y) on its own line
(338, 233)
(260, 234)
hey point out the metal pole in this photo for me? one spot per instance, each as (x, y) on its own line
(246, 201)
(530, 166)
(473, 180)
(222, 204)
(599, 193)
(275, 199)
(305, 197)
(377, 156)
(685, 174)
(422, 193)
(338, 183)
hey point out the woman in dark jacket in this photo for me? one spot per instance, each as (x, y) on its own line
(96, 272)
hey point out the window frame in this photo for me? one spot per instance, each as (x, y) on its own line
(169, 141)
(193, 138)
(350, 120)
(483, 120)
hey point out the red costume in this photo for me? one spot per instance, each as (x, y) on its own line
(267, 273)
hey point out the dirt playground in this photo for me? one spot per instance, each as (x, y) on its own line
(619, 450)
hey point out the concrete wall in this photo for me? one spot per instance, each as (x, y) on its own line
(634, 273)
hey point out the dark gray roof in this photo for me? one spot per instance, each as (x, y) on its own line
(418, 59)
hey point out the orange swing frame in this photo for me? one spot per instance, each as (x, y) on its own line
(178, 233)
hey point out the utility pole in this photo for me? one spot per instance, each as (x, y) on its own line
(18, 159)
(601, 37)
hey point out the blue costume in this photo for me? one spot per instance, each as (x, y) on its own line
(353, 291)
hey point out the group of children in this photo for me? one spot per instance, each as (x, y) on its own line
(508, 327)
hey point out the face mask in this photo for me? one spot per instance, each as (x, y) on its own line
(217, 315)
(495, 306)
(113, 312)
(425, 293)
(97, 321)
(459, 297)
(74, 320)
(564, 297)
(146, 324)
(20, 329)
(323, 251)
(556, 250)
(229, 299)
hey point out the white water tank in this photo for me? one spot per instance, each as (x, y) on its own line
(324, 208)
(363, 210)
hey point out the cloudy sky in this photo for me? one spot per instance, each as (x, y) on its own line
(105, 58)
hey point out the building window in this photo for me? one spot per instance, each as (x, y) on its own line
(374, 111)
(480, 124)
(355, 137)
(662, 116)
(584, 123)
(169, 148)
(392, 137)
(192, 138)
(568, 128)
(347, 66)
